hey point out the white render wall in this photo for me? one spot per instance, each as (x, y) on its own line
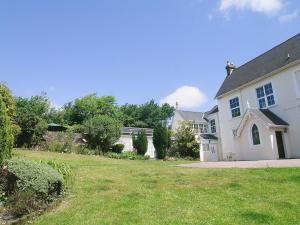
(126, 140)
(267, 150)
(287, 107)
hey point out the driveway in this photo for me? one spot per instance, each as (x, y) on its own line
(286, 163)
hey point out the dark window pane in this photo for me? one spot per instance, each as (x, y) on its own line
(262, 103)
(268, 89)
(255, 135)
(260, 92)
(271, 100)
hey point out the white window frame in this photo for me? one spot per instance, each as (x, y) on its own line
(230, 109)
(265, 97)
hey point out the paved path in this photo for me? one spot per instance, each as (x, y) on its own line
(246, 164)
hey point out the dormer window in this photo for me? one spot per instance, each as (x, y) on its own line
(235, 107)
(265, 96)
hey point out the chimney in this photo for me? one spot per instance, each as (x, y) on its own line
(230, 67)
(177, 106)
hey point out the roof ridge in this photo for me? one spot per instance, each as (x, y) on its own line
(278, 45)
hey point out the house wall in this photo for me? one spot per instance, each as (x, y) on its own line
(176, 121)
(267, 150)
(215, 117)
(127, 141)
(286, 92)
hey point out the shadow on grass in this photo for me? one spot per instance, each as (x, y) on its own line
(256, 218)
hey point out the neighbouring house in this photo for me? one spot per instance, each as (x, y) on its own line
(205, 125)
(258, 111)
(126, 140)
(259, 106)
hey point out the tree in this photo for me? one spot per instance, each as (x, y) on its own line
(185, 142)
(161, 141)
(147, 115)
(8, 99)
(6, 133)
(89, 106)
(31, 115)
(102, 132)
(140, 142)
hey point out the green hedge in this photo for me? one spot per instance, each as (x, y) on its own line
(39, 177)
(126, 155)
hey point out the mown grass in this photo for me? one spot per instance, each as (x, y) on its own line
(107, 191)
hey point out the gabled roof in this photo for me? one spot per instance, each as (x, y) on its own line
(265, 117)
(274, 59)
(215, 109)
(191, 116)
(274, 118)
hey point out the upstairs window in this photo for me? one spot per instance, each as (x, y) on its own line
(255, 135)
(203, 128)
(213, 126)
(265, 96)
(196, 128)
(235, 107)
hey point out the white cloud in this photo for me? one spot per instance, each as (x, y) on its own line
(188, 97)
(268, 7)
(287, 18)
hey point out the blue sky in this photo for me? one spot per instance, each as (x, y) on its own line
(136, 50)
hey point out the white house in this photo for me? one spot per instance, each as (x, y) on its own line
(258, 111)
(126, 140)
(259, 106)
(206, 129)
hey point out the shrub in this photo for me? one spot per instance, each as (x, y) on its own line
(126, 155)
(30, 185)
(102, 132)
(40, 177)
(140, 142)
(161, 141)
(63, 169)
(185, 143)
(6, 133)
(56, 146)
(118, 148)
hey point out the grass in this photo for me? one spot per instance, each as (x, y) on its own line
(107, 191)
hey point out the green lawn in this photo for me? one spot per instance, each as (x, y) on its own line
(153, 192)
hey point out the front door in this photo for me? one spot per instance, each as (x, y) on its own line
(280, 145)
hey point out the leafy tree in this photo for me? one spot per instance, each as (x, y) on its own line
(8, 99)
(147, 115)
(161, 141)
(185, 142)
(102, 132)
(140, 142)
(89, 106)
(31, 115)
(6, 133)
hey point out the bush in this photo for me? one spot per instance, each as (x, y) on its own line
(30, 185)
(57, 146)
(140, 142)
(118, 148)
(126, 155)
(102, 132)
(161, 141)
(6, 133)
(63, 169)
(185, 143)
